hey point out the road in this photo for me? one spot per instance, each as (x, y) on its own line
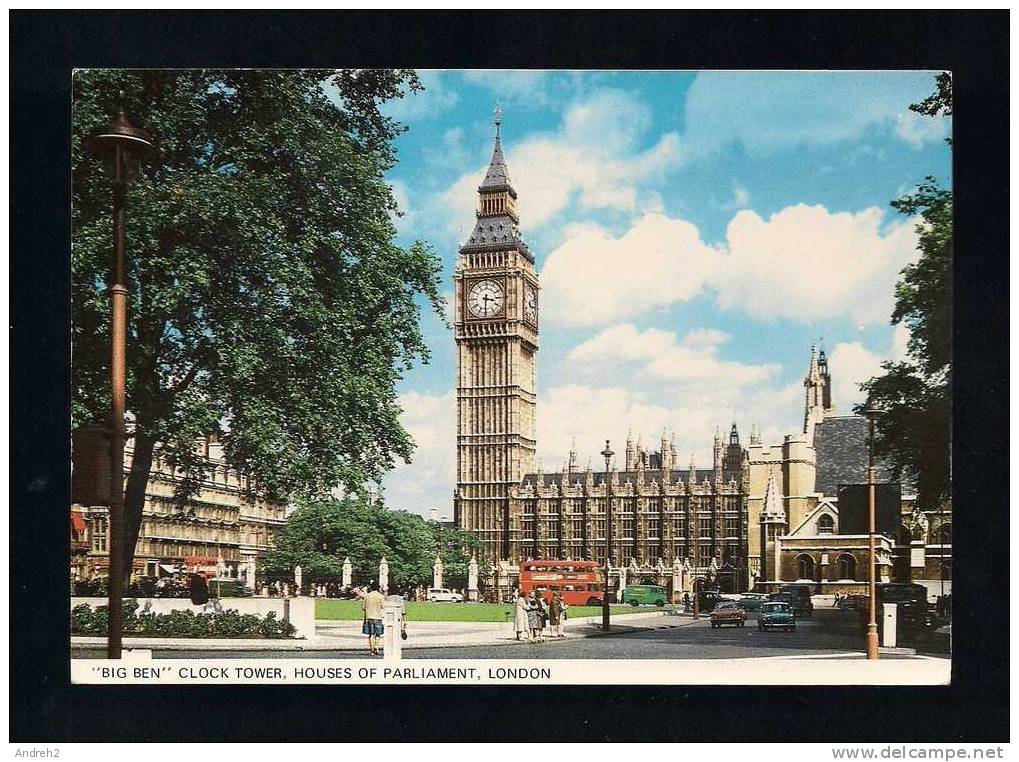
(829, 632)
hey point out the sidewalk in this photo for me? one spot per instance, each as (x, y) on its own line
(333, 635)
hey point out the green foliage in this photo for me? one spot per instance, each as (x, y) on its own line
(267, 297)
(915, 431)
(182, 623)
(319, 535)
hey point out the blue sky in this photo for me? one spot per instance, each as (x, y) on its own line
(694, 232)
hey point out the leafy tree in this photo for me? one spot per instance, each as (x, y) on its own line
(268, 301)
(916, 430)
(320, 534)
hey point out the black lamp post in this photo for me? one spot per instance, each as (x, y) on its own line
(607, 454)
(872, 411)
(122, 148)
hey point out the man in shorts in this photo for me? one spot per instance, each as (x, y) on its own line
(374, 605)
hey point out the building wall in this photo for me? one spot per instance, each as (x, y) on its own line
(223, 519)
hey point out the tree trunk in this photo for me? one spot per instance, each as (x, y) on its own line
(134, 495)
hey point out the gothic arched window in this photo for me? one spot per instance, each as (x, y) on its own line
(805, 566)
(826, 525)
(845, 567)
(945, 533)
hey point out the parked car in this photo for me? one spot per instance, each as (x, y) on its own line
(797, 596)
(776, 614)
(752, 601)
(651, 595)
(728, 612)
(443, 594)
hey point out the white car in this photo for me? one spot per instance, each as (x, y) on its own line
(442, 594)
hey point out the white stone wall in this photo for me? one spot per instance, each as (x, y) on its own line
(302, 610)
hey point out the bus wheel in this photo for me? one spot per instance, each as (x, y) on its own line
(659, 603)
(593, 602)
(634, 603)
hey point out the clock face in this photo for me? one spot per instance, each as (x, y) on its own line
(530, 304)
(486, 299)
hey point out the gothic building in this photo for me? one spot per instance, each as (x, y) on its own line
(661, 514)
(758, 516)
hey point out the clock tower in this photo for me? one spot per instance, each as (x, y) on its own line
(496, 322)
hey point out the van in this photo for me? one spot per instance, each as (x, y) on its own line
(649, 595)
(797, 596)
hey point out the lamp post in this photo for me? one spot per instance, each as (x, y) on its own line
(872, 411)
(122, 147)
(607, 454)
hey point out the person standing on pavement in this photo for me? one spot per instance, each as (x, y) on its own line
(520, 620)
(373, 605)
(555, 615)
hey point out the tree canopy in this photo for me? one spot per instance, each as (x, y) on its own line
(916, 429)
(268, 300)
(320, 534)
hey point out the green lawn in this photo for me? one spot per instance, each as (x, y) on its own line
(451, 612)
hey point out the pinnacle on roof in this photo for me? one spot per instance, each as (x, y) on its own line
(772, 500)
(497, 175)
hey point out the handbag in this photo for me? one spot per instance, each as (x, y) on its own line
(403, 633)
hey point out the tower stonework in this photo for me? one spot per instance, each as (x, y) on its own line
(496, 333)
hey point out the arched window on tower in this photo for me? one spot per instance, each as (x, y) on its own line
(826, 524)
(804, 566)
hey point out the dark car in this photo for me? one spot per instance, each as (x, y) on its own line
(728, 612)
(776, 614)
(797, 596)
(752, 601)
(911, 599)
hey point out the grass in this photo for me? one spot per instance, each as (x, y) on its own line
(451, 612)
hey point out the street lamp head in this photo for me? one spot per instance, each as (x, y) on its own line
(122, 147)
(607, 452)
(873, 409)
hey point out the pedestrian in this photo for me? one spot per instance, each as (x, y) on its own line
(199, 590)
(373, 606)
(534, 616)
(521, 619)
(555, 615)
(686, 601)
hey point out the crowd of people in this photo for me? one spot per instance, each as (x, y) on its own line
(533, 614)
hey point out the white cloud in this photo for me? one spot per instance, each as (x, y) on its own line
(594, 160)
(803, 263)
(851, 364)
(658, 262)
(661, 355)
(406, 220)
(427, 481)
(806, 263)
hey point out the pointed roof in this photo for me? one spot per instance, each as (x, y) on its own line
(812, 370)
(772, 500)
(497, 176)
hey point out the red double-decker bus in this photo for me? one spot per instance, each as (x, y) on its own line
(579, 583)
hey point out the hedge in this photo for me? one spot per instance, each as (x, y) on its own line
(228, 623)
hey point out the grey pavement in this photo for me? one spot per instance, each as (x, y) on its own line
(829, 634)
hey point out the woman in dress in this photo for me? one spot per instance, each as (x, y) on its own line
(554, 612)
(520, 621)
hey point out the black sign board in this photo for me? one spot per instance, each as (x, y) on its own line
(854, 508)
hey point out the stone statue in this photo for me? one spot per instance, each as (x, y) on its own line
(298, 578)
(918, 524)
(383, 575)
(348, 571)
(472, 579)
(437, 572)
